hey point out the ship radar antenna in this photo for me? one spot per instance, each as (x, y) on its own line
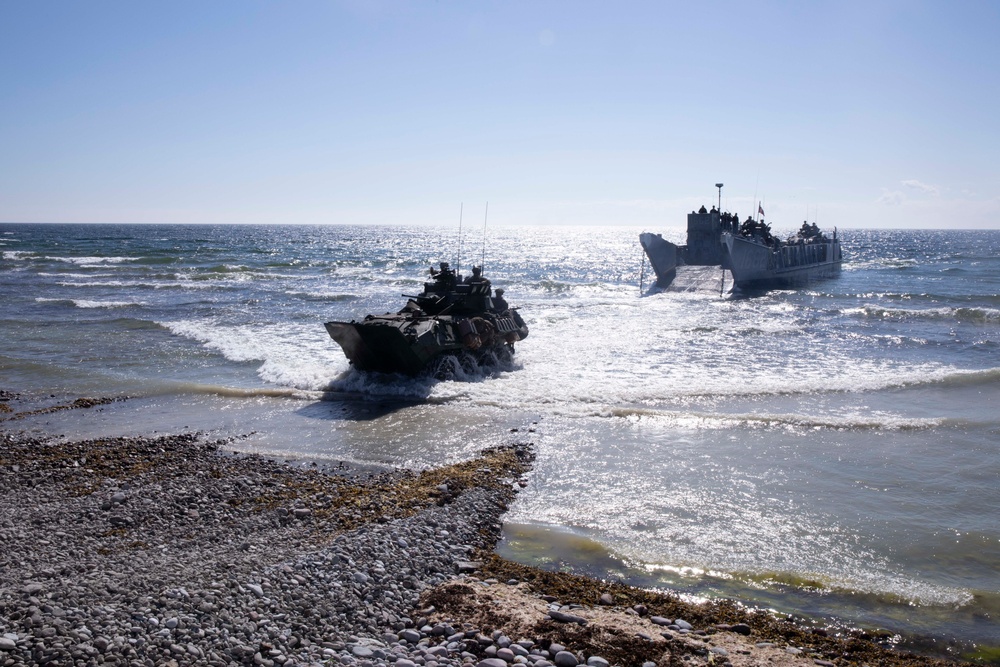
(719, 185)
(458, 262)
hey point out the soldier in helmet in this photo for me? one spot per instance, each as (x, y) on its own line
(499, 303)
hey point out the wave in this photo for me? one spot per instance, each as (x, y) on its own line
(873, 586)
(91, 261)
(182, 284)
(87, 303)
(236, 392)
(960, 314)
(867, 422)
(324, 297)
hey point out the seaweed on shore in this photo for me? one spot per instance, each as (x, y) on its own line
(839, 646)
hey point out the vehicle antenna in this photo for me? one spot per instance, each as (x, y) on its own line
(482, 263)
(458, 263)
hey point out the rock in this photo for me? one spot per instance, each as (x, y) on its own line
(718, 650)
(256, 589)
(467, 566)
(740, 628)
(487, 662)
(597, 661)
(659, 620)
(565, 659)
(606, 599)
(7, 644)
(563, 617)
(683, 625)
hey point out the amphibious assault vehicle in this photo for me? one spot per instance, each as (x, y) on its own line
(453, 321)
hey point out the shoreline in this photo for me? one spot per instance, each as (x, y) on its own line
(168, 550)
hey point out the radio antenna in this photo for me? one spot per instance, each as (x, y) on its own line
(458, 264)
(482, 263)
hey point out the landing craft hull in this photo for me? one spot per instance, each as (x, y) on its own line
(755, 265)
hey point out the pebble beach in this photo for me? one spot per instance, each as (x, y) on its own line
(174, 550)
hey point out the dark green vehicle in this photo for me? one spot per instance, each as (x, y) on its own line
(451, 322)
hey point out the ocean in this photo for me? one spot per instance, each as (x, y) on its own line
(829, 452)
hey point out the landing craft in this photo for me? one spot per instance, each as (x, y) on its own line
(756, 259)
(451, 322)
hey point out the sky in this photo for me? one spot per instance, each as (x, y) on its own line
(852, 114)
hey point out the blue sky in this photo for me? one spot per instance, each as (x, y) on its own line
(858, 114)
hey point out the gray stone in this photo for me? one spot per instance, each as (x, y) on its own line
(659, 620)
(683, 625)
(565, 659)
(563, 617)
(7, 644)
(740, 628)
(597, 661)
(491, 662)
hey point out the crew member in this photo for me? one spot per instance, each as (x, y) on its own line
(499, 303)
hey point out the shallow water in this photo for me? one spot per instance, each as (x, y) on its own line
(829, 452)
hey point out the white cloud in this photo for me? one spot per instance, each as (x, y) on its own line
(914, 184)
(891, 197)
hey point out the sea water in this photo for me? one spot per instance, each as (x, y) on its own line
(829, 452)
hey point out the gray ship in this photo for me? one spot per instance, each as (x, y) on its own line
(756, 259)
(451, 322)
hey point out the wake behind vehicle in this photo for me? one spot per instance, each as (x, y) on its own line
(453, 321)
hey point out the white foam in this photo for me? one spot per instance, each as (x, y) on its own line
(87, 303)
(91, 261)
